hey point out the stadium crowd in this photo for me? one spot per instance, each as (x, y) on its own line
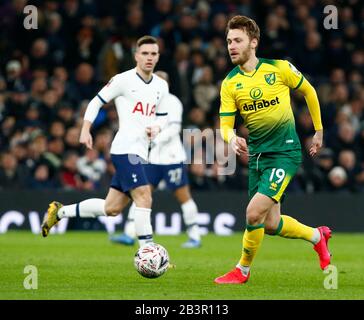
(48, 75)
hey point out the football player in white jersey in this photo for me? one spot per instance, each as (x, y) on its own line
(166, 162)
(137, 94)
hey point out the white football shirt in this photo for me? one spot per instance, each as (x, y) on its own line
(138, 105)
(167, 146)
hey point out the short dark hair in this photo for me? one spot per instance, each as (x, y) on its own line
(244, 23)
(146, 40)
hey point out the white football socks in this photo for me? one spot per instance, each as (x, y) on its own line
(316, 236)
(244, 269)
(90, 208)
(129, 228)
(143, 226)
(190, 212)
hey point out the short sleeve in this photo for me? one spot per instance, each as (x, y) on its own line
(114, 88)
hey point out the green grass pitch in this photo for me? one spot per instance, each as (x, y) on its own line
(85, 265)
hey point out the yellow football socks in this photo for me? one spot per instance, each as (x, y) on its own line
(253, 237)
(292, 229)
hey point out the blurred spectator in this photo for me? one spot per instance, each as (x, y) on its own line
(115, 57)
(160, 12)
(69, 177)
(102, 143)
(57, 129)
(221, 68)
(65, 114)
(41, 179)
(39, 55)
(55, 37)
(197, 118)
(49, 105)
(182, 58)
(11, 177)
(36, 149)
(38, 88)
(91, 166)
(347, 160)
(310, 57)
(32, 117)
(71, 140)
(219, 22)
(344, 139)
(134, 26)
(304, 125)
(187, 27)
(196, 67)
(274, 37)
(13, 75)
(17, 101)
(54, 154)
(324, 164)
(338, 180)
(205, 91)
(83, 86)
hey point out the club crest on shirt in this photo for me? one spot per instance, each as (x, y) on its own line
(270, 78)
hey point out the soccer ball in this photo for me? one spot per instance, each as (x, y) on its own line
(151, 260)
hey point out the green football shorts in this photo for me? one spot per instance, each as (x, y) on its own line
(271, 172)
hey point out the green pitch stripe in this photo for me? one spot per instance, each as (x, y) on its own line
(227, 114)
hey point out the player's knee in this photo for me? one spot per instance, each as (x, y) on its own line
(143, 200)
(254, 216)
(112, 210)
(253, 220)
(183, 194)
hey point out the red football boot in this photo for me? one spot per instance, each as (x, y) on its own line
(322, 247)
(233, 277)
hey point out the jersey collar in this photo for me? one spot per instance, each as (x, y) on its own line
(252, 73)
(141, 78)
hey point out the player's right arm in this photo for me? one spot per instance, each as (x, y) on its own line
(313, 105)
(110, 91)
(227, 120)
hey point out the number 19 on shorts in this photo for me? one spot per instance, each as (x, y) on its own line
(277, 173)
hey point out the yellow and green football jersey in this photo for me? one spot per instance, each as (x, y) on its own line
(262, 98)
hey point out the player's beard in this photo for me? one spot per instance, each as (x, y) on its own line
(244, 56)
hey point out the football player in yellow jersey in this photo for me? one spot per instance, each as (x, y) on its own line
(259, 90)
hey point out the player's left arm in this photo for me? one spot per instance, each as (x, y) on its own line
(295, 80)
(313, 105)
